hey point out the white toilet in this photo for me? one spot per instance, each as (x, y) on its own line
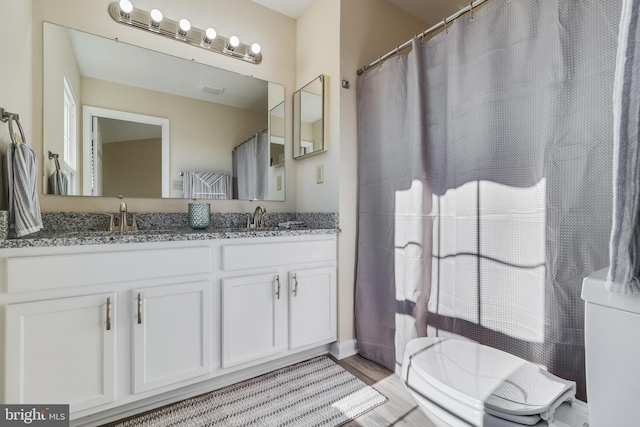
(462, 383)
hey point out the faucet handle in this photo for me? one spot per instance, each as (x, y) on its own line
(111, 225)
(134, 223)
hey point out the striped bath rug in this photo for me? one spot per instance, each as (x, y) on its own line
(317, 392)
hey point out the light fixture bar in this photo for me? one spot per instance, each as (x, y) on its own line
(141, 19)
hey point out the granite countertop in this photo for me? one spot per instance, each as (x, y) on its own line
(76, 229)
(77, 238)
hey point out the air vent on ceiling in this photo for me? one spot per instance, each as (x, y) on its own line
(212, 89)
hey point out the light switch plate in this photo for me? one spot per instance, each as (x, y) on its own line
(177, 184)
(319, 174)
(279, 183)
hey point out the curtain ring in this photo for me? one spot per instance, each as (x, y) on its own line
(398, 53)
(471, 6)
(380, 60)
(446, 29)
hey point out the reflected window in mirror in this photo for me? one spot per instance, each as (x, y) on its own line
(211, 111)
(309, 105)
(69, 165)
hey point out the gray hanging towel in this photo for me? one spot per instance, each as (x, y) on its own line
(58, 183)
(624, 270)
(21, 169)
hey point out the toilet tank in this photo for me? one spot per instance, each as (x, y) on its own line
(612, 344)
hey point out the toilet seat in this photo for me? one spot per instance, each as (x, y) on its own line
(471, 380)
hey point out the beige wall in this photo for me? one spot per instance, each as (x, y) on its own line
(132, 167)
(336, 37)
(16, 90)
(248, 20)
(202, 134)
(318, 52)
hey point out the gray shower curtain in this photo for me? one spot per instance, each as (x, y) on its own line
(485, 183)
(251, 167)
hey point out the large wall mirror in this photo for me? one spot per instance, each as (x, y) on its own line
(120, 120)
(308, 119)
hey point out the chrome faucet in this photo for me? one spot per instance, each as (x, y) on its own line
(258, 218)
(122, 225)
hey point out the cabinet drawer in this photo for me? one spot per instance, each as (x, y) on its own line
(61, 271)
(266, 255)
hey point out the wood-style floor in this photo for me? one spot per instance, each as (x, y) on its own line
(399, 411)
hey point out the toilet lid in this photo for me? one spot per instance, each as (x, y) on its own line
(488, 379)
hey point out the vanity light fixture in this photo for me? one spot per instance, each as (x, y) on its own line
(234, 42)
(183, 27)
(125, 13)
(125, 9)
(209, 35)
(155, 18)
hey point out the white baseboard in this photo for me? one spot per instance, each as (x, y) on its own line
(343, 349)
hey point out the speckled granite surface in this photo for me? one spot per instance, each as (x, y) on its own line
(79, 228)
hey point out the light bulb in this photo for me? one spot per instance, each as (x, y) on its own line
(185, 25)
(255, 48)
(156, 16)
(126, 6)
(234, 41)
(210, 34)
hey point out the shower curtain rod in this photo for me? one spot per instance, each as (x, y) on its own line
(261, 131)
(420, 36)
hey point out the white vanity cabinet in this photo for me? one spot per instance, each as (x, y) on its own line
(312, 306)
(62, 351)
(109, 328)
(171, 334)
(291, 306)
(252, 318)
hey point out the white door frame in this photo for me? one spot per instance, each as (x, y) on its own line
(88, 112)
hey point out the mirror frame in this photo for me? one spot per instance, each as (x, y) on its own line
(297, 119)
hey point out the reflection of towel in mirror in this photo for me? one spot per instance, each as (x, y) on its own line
(21, 172)
(206, 185)
(58, 183)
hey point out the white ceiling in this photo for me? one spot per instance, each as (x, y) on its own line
(429, 11)
(291, 8)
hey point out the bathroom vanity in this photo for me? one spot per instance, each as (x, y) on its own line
(153, 318)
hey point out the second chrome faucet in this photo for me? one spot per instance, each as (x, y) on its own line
(257, 221)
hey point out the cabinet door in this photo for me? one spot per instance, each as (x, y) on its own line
(171, 333)
(312, 306)
(62, 351)
(252, 321)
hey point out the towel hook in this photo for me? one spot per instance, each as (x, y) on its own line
(54, 156)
